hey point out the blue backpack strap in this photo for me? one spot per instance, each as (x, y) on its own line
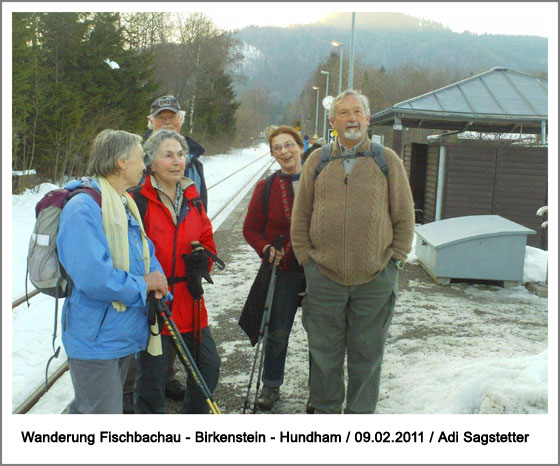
(325, 158)
(377, 151)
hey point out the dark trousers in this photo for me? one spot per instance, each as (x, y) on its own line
(284, 308)
(151, 372)
(130, 380)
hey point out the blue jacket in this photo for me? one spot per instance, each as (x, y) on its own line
(91, 327)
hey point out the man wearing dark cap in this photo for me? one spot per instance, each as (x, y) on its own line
(166, 113)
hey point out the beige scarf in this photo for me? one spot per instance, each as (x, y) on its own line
(115, 226)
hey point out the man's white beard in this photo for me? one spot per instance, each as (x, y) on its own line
(353, 134)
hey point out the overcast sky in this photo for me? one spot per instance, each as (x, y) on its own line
(524, 18)
(497, 18)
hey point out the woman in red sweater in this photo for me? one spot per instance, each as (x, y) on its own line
(286, 146)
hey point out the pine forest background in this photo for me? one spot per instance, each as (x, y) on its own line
(232, 84)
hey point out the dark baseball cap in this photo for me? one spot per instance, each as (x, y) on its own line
(167, 102)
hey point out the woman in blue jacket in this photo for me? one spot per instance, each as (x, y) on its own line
(112, 266)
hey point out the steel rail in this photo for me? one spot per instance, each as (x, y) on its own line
(21, 300)
(32, 399)
(237, 171)
(226, 204)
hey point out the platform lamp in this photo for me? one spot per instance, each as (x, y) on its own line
(316, 112)
(325, 110)
(341, 45)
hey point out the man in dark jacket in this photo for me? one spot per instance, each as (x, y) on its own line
(319, 143)
(166, 113)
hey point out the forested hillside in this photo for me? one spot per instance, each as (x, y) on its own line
(382, 41)
(231, 85)
(75, 74)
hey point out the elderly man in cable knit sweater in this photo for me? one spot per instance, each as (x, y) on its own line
(352, 228)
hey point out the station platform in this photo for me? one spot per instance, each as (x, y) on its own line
(435, 331)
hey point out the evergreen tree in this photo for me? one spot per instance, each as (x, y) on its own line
(62, 104)
(23, 108)
(64, 93)
(215, 114)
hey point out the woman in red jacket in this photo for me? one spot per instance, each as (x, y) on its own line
(286, 146)
(174, 217)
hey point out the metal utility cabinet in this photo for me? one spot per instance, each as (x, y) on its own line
(479, 247)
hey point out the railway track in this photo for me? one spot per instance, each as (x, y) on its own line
(31, 400)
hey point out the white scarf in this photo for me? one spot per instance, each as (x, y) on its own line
(115, 226)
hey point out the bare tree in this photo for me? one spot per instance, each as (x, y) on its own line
(143, 31)
(252, 115)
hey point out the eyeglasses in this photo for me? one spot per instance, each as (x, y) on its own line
(288, 146)
(167, 118)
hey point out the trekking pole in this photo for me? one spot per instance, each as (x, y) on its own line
(263, 332)
(184, 353)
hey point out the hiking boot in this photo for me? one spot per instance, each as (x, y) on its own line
(128, 404)
(267, 398)
(309, 409)
(174, 390)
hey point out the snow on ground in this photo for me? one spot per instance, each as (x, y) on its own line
(459, 349)
(501, 373)
(466, 349)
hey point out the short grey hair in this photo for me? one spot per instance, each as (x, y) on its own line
(151, 146)
(109, 146)
(181, 113)
(347, 93)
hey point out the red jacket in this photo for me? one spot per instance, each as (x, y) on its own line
(192, 225)
(279, 217)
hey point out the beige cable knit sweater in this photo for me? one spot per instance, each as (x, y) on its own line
(352, 226)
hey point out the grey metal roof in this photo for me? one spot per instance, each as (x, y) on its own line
(496, 99)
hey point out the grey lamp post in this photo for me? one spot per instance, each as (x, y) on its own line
(341, 45)
(351, 62)
(316, 111)
(325, 110)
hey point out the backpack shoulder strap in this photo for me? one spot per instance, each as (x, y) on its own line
(377, 151)
(197, 202)
(86, 189)
(141, 201)
(325, 158)
(266, 195)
